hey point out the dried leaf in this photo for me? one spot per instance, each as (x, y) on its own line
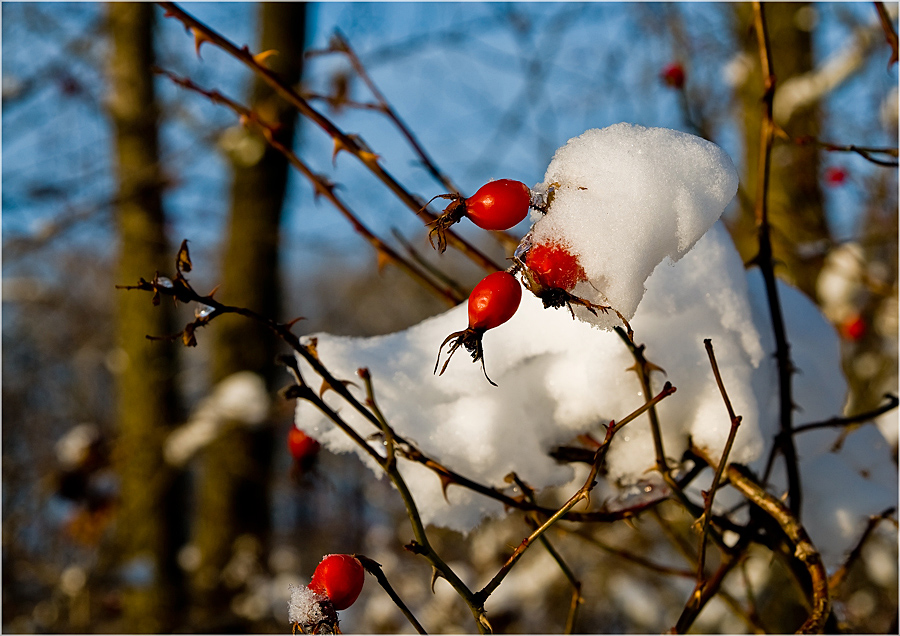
(183, 260)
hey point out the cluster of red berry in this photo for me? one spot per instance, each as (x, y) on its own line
(550, 269)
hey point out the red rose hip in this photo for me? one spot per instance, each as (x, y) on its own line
(300, 445)
(497, 205)
(554, 267)
(493, 301)
(340, 577)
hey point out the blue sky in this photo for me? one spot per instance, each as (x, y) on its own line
(489, 89)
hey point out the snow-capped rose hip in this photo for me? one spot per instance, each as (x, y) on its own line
(554, 266)
(497, 205)
(340, 577)
(550, 271)
(492, 302)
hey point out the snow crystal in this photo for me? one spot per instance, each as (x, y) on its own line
(625, 197)
(305, 606)
(559, 378)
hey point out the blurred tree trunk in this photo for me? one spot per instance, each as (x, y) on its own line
(234, 486)
(148, 522)
(800, 233)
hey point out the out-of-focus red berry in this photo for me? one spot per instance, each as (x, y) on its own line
(673, 75)
(835, 176)
(854, 328)
(300, 445)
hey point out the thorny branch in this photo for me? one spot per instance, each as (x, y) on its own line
(867, 153)
(394, 445)
(838, 575)
(339, 44)
(804, 550)
(322, 187)
(181, 291)
(850, 420)
(374, 568)
(889, 33)
(711, 494)
(764, 260)
(342, 141)
(534, 521)
(583, 494)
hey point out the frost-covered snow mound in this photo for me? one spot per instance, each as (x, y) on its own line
(626, 197)
(559, 378)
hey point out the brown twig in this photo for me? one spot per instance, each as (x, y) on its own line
(868, 153)
(764, 260)
(804, 549)
(850, 420)
(340, 44)
(374, 568)
(720, 467)
(583, 494)
(534, 521)
(702, 594)
(707, 588)
(422, 545)
(889, 33)
(643, 368)
(838, 576)
(322, 188)
(342, 141)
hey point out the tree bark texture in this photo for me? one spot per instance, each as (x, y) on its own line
(233, 492)
(800, 232)
(148, 522)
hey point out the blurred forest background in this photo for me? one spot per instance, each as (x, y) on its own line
(135, 500)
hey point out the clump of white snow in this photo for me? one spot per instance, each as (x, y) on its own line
(305, 606)
(626, 197)
(559, 378)
(241, 397)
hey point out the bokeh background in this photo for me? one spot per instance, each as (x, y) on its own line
(104, 532)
